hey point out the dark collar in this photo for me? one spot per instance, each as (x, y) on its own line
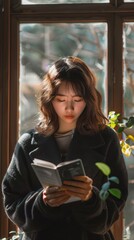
(91, 141)
(82, 146)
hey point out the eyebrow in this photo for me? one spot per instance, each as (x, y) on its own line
(62, 95)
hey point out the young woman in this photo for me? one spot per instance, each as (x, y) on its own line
(71, 126)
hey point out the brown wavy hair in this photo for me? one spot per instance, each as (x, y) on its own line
(74, 71)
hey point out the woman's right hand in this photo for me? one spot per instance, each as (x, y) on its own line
(55, 196)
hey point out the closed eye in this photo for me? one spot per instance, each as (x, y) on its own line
(60, 100)
(78, 99)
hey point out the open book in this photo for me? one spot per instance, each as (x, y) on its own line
(51, 175)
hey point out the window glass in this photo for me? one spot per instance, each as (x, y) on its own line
(128, 69)
(62, 1)
(128, 84)
(42, 44)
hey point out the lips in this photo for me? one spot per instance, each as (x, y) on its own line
(69, 116)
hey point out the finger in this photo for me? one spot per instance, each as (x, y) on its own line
(83, 190)
(57, 202)
(51, 189)
(74, 190)
(53, 199)
(55, 195)
(48, 194)
(77, 184)
(83, 179)
(83, 195)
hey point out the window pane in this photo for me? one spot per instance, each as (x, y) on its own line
(62, 1)
(41, 44)
(129, 69)
(128, 83)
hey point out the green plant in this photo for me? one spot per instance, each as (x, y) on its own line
(105, 189)
(120, 124)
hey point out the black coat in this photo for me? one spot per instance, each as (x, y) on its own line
(90, 220)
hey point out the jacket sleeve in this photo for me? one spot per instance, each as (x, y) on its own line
(96, 215)
(22, 196)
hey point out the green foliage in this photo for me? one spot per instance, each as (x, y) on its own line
(113, 119)
(115, 192)
(104, 168)
(120, 124)
(105, 189)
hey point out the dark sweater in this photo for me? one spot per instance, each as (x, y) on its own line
(90, 220)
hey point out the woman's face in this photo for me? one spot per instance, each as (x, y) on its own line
(68, 106)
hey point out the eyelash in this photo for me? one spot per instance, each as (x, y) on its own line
(75, 100)
(79, 100)
(59, 100)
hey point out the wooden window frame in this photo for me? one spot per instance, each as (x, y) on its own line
(12, 13)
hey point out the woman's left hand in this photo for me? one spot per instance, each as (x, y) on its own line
(80, 186)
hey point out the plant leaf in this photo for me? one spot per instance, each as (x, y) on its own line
(103, 195)
(104, 168)
(125, 148)
(120, 129)
(114, 179)
(115, 192)
(130, 122)
(112, 124)
(130, 137)
(106, 186)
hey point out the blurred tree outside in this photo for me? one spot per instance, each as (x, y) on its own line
(128, 69)
(128, 85)
(42, 44)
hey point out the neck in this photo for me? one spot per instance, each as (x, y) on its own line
(64, 131)
(64, 128)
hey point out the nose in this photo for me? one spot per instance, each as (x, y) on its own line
(70, 105)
